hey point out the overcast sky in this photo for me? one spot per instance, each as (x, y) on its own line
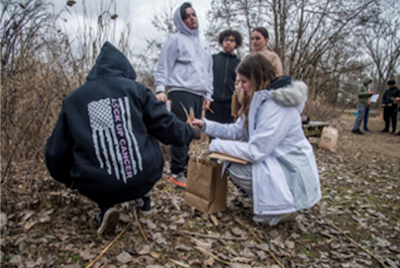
(138, 12)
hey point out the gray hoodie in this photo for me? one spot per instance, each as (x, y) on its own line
(362, 91)
(185, 62)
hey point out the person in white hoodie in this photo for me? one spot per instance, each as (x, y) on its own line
(281, 175)
(184, 71)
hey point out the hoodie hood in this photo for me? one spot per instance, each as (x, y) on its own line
(287, 93)
(367, 80)
(181, 26)
(111, 62)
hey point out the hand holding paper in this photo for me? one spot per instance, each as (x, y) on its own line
(374, 98)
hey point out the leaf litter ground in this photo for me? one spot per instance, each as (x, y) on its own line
(43, 224)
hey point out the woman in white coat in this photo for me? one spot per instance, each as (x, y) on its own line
(282, 175)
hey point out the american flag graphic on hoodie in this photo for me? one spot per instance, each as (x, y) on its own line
(114, 142)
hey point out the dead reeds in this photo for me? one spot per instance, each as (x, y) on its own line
(40, 66)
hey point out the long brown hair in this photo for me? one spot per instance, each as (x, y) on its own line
(260, 72)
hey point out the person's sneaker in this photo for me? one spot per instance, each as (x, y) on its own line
(393, 132)
(179, 180)
(385, 130)
(107, 220)
(398, 133)
(144, 204)
(367, 130)
(357, 131)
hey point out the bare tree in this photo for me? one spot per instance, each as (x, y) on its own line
(146, 61)
(314, 39)
(241, 15)
(381, 42)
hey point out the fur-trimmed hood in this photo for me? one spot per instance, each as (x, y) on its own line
(288, 93)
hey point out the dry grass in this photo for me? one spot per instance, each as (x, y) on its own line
(319, 110)
(39, 68)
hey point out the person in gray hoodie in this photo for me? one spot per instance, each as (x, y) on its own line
(184, 72)
(363, 95)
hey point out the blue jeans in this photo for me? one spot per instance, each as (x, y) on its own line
(366, 118)
(360, 116)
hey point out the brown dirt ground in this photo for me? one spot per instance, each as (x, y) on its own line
(372, 142)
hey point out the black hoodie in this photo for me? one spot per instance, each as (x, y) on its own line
(105, 140)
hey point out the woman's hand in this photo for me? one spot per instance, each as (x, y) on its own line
(198, 122)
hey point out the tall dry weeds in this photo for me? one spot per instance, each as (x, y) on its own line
(40, 66)
(319, 110)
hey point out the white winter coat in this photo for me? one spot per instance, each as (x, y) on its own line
(285, 175)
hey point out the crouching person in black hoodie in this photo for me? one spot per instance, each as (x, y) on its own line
(105, 141)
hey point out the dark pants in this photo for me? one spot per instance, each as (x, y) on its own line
(222, 112)
(390, 114)
(366, 115)
(179, 154)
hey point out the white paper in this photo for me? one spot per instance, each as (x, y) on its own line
(374, 98)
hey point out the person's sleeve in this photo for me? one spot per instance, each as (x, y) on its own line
(210, 87)
(272, 127)
(233, 131)
(165, 64)
(59, 155)
(164, 125)
(362, 91)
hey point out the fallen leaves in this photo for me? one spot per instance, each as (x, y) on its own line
(3, 220)
(50, 226)
(124, 257)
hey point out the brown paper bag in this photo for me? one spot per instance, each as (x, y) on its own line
(205, 188)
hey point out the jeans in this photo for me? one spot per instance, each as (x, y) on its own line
(366, 118)
(360, 116)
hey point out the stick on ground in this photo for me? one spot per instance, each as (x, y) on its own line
(202, 250)
(108, 247)
(357, 244)
(140, 226)
(259, 241)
